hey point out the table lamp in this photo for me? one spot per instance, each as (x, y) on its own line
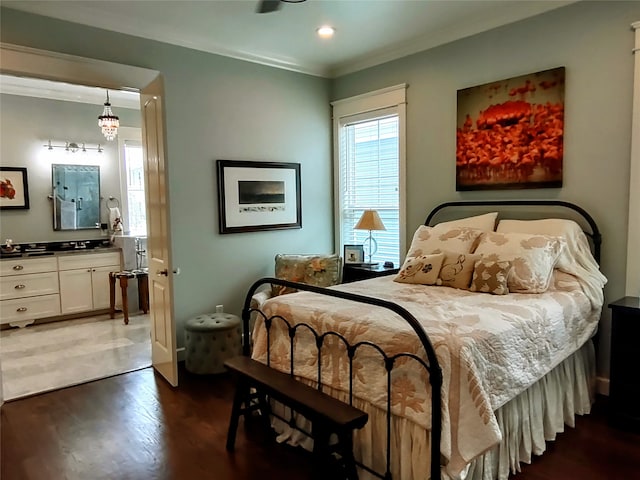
(370, 220)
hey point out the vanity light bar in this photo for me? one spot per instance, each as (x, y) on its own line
(73, 147)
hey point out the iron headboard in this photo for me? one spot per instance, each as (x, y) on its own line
(594, 235)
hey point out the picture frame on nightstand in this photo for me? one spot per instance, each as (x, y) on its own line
(354, 254)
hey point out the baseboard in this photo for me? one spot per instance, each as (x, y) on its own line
(180, 354)
(602, 386)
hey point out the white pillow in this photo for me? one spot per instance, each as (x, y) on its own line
(485, 222)
(577, 243)
(532, 257)
(576, 259)
(427, 240)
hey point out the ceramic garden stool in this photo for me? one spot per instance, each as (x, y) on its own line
(209, 340)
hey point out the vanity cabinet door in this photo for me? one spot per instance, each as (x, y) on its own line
(75, 291)
(100, 283)
(84, 281)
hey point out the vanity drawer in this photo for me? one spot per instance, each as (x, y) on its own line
(29, 308)
(24, 266)
(21, 286)
(91, 260)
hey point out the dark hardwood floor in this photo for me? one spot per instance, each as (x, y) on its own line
(134, 426)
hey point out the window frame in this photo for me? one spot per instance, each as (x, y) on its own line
(369, 105)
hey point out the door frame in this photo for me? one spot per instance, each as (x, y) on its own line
(24, 61)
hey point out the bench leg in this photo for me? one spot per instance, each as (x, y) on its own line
(320, 450)
(143, 293)
(124, 283)
(112, 295)
(265, 412)
(345, 448)
(242, 392)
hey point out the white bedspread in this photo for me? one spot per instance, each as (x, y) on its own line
(490, 348)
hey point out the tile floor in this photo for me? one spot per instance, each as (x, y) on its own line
(49, 356)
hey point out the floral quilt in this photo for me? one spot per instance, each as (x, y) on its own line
(490, 348)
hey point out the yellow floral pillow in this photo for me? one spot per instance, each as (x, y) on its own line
(532, 258)
(318, 270)
(427, 240)
(423, 269)
(457, 269)
(490, 277)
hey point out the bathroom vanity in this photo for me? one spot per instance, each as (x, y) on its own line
(56, 283)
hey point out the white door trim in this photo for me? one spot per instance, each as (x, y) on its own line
(32, 62)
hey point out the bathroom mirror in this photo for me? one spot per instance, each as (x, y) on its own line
(76, 196)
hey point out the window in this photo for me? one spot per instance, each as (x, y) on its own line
(370, 170)
(132, 181)
(136, 206)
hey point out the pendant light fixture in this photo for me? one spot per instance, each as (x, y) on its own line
(108, 121)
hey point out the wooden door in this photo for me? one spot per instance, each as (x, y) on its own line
(163, 332)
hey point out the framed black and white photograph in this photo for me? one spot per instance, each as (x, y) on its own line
(354, 254)
(14, 188)
(254, 196)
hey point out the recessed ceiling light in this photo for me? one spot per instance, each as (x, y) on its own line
(326, 31)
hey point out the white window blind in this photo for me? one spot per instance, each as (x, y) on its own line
(134, 171)
(369, 177)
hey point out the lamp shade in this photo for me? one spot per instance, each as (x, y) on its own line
(370, 220)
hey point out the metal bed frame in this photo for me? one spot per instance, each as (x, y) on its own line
(431, 365)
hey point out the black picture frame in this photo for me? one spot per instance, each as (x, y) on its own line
(14, 188)
(256, 196)
(353, 254)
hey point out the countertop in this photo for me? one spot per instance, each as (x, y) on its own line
(57, 253)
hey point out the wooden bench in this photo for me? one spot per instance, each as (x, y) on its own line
(327, 414)
(143, 291)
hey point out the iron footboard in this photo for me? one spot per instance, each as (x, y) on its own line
(431, 366)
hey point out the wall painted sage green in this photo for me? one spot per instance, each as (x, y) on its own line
(216, 108)
(28, 123)
(593, 40)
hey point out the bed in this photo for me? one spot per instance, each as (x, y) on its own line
(511, 368)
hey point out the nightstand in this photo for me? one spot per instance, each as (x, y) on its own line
(353, 273)
(624, 386)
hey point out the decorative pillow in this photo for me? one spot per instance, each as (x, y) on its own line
(423, 269)
(532, 258)
(485, 222)
(457, 269)
(490, 277)
(318, 270)
(427, 240)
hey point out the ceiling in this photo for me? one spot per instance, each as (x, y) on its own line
(35, 87)
(368, 32)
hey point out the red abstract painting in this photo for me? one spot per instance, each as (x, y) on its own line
(510, 133)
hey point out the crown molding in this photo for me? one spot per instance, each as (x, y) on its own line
(508, 14)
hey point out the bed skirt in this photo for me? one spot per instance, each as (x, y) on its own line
(538, 414)
(526, 422)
